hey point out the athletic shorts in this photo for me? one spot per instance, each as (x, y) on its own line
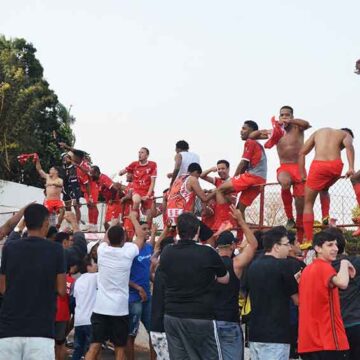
(294, 171)
(94, 193)
(107, 327)
(323, 174)
(113, 211)
(54, 206)
(248, 185)
(147, 204)
(72, 193)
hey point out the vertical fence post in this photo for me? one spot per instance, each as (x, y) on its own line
(262, 206)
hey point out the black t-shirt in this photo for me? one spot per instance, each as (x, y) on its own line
(189, 271)
(227, 295)
(30, 267)
(158, 303)
(350, 297)
(271, 283)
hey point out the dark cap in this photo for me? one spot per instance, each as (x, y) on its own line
(225, 239)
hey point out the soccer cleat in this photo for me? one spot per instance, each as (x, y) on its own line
(325, 220)
(290, 224)
(306, 245)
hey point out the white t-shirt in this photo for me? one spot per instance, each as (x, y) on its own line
(113, 278)
(85, 296)
(187, 158)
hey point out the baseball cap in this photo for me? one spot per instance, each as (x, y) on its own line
(91, 244)
(225, 239)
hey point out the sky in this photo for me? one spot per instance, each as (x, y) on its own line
(149, 73)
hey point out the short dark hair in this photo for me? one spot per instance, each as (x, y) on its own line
(79, 153)
(86, 261)
(35, 215)
(188, 225)
(146, 150)
(252, 125)
(273, 236)
(339, 236)
(52, 232)
(322, 237)
(194, 167)
(259, 237)
(96, 169)
(348, 131)
(116, 235)
(288, 108)
(62, 236)
(182, 145)
(225, 162)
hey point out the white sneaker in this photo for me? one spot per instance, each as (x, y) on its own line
(85, 227)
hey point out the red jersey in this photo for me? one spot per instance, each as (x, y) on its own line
(142, 174)
(321, 327)
(82, 176)
(63, 307)
(254, 153)
(104, 184)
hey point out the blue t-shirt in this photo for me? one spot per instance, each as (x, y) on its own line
(140, 272)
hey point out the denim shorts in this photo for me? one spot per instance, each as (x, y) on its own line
(231, 340)
(139, 311)
(269, 351)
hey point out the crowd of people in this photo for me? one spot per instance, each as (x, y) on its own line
(191, 284)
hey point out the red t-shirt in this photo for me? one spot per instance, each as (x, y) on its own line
(105, 184)
(320, 324)
(254, 153)
(82, 176)
(62, 306)
(142, 175)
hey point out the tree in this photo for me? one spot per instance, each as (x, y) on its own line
(31, 116)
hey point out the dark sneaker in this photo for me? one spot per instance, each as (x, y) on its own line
(290, 224)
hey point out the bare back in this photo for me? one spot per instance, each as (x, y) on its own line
(328, 144)
(290, 144)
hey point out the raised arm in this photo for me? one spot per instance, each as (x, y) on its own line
(39, 169)
(260, 134)
(139, 232)
(242, 260)
(204, 175)
(300, 123)
(350, 154)
(65, 146)
(11, 223)
(347, 270)
(178, 160)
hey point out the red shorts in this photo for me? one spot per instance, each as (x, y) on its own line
(54, 205)
(294, 171)
(94, 193)
(248, 184)
(113, 211)
(323, 174)
(147, 204)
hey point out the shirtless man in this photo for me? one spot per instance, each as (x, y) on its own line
(288, 174)
(144, 176)
(183, 193)
(325, 169)
(53, 186)
(249, 175)
(183, 159)
(223, 169)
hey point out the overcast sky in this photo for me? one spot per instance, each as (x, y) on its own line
(149, 73)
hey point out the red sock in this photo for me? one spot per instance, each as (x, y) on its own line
(325, 204)
(93, 214)
(300, 228)
(287, 200)
(308, 222)
(357, 192)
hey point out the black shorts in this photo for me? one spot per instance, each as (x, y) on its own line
(72, 193)
(107, 327)
(326, 355)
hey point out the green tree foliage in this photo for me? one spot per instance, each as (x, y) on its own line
(31, 115)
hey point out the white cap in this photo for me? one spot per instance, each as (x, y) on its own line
(91, 244)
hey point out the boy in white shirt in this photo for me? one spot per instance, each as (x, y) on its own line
(85, 295)
(110, 319)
